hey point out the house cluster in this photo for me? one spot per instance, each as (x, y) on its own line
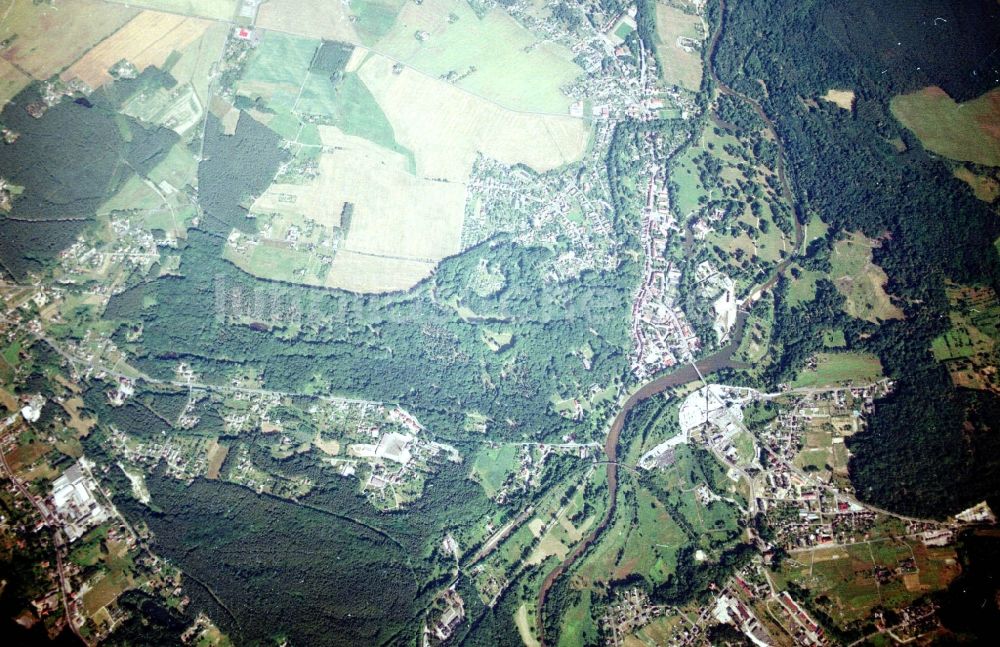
(449, 610)
(568, 211)
(660, 330)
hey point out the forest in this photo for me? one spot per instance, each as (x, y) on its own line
(69, 162)
(845, 167)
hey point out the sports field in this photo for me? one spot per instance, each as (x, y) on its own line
(148, 39)
(680, 35)
(493, 57)
(968, 132)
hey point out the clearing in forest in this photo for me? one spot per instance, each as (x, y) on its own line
(842, 98)
(968, 132)
(984, 187)
(861, 281)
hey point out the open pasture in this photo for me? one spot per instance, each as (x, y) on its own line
(493, 57)
(968, 132)
(835, 368)
(148, 39)
(278, 69)
(680, 35)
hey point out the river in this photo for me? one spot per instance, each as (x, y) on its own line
(683, 375)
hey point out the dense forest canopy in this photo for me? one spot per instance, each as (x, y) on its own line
(920, 456)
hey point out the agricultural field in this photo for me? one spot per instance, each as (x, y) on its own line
(277, 70)
(967, 132)
(837, 368)
(148, 39)
(33, 27)
(969, 348)
(311, 18)
(394, 214)
(12, 81)
(216, 9)
(848, 582)
(492, 57)
(446, 127)
(679, 51)
(861, 281)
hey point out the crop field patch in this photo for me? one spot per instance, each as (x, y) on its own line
(493, 57)
(77, 26)
(194, 66)
(967, 132)
(681, 36)
(446, 127)
(369, 274)
(148, 39)
(861, 281)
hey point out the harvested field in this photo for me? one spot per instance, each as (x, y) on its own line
(493, 57)
(968, 132)
(445, 127)
(842, 98)
(680, 35)
(312, 18)
(36, 27)
(148, 39)
(196, 61)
